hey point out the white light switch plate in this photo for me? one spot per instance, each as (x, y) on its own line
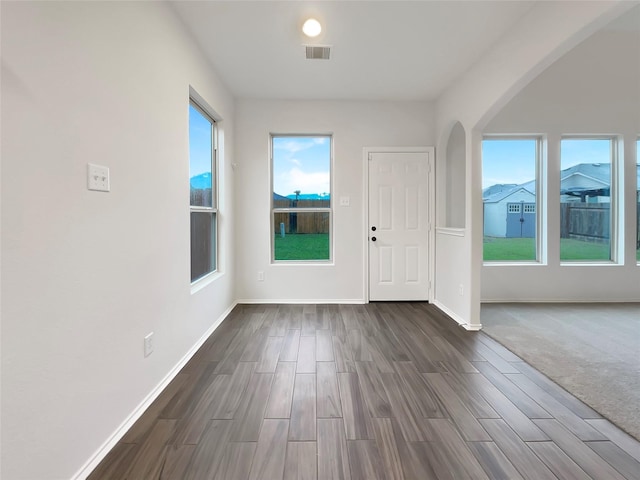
(345, 201)
(148, 344)
(98, 178)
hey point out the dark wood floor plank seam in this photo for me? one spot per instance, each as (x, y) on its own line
(624, 463)
(303, 408)
(560, 412)
(524, 402)
(623, 440)
(594, 465)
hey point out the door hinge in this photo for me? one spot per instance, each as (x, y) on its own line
(370, 156)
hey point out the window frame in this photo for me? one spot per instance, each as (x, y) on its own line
(539, 210)
(300, 210)
(615, 249)
(198, 104)
(637, 200)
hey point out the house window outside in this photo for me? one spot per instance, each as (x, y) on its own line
(203, 192)
(301, 212)
(586, 199)
(510, 167)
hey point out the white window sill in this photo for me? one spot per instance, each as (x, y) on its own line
(532, 263)
(205, 281)
(578, 263)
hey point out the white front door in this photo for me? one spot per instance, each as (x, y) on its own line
(398, 225)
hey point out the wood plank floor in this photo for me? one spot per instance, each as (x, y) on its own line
(378, 391)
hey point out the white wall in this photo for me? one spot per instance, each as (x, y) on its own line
(546, 32)
(454, 166)
(591, 90)
(354, 125)
(86, 275)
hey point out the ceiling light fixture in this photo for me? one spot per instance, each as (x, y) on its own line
(311, 28)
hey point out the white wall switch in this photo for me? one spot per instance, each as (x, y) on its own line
(345, 201)
(261, 276)
(148, 344)
(98, 178)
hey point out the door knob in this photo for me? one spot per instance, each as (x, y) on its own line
(373, 239)
(373, 229)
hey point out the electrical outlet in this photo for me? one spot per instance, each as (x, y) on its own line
(148, 344)
(98, 178)
(461, 290)
(261, 276)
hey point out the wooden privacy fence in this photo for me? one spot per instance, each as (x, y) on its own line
(301, 221)
(585, 221)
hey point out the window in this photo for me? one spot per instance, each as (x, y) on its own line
(509, 194)
(202, 182)
(585, 198)
(301, 197)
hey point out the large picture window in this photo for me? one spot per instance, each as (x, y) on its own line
(509, 195)
(586, 198)
(301, 197)
(202, 182)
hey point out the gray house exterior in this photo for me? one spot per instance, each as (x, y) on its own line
(509, 209)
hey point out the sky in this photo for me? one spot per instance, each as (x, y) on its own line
(302, 163)
(508, 161)
(513, 161)
(200, 143)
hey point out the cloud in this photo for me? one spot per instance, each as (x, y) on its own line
(293, 145)
(310, 182)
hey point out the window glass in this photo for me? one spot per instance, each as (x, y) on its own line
(202, 192)
(585, 199)
(200, 158)
(509, 197)
(301, 198)
(203, 242)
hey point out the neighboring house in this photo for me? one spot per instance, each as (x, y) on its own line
(509, 210)
(586, 182)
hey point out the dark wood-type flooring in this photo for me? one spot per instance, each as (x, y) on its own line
(378, 391)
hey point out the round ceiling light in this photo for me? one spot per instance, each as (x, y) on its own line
(312, 28)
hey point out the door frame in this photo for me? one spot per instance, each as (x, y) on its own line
(431, 198)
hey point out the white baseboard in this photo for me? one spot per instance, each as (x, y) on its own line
(457, 318)
(561, 300)
(111, 442)
(313, 301)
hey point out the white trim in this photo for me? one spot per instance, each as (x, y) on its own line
(452, 232)
(330, 210)
(563, 300)
(111, 442)
(457, 318)
(296, 301)
(205, 281)
(472, 328)
(431, 194)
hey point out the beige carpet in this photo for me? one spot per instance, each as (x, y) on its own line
(592, 350)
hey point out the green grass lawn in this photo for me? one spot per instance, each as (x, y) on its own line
(524, 249)
(509, 249)
(571, 249)
(304, 246)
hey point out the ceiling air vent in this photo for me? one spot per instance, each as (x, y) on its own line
(317, 52)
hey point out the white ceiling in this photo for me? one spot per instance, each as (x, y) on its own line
(381, 50)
